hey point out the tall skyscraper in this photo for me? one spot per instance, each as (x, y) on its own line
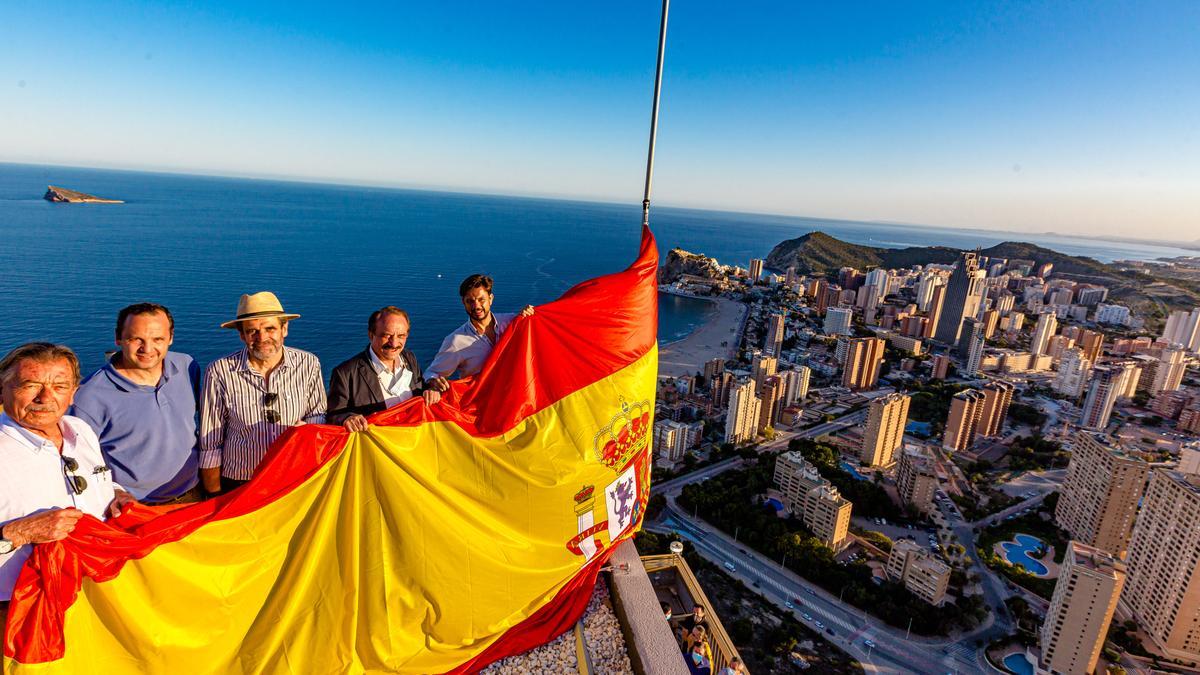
(1109, 382)
(973, 342)
(789, 277)
(941, 366)
(886, 417)
(741, 421)
(916, 478)
(1163, 588)
(963, 292)
(770, 396)
(1099, 497)
(1091, 342)
(937, 303)
(1183, 328)
(838, 321)
(720, 387)
(795, 385)
(756, 267)
(773, 344)
(1073, 372)
(1085, 597)
(713, 368)
(962, 423)
(991, 319)
(929, 281)
(762, 367)
(1168, 376)
(1047, 324)
(997, 396)
(863, 361)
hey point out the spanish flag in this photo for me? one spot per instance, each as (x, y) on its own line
(439, 540)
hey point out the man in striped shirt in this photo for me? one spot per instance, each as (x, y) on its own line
(254, 394)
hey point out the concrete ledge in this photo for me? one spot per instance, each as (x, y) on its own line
(649, 639)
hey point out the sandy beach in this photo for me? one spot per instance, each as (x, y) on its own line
(686, 356)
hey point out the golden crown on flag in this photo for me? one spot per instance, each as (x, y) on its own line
(626, 435)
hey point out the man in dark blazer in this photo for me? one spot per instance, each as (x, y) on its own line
(381, 376)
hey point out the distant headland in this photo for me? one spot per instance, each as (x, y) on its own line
(65, 196)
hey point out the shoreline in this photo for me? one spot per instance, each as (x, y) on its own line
(689, 354)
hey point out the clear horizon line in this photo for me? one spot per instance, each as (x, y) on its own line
(468, 190)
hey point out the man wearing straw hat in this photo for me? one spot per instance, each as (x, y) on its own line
(254, 394)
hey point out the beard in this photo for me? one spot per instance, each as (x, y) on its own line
(263, 350)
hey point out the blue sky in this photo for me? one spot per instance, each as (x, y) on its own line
(1071, 117)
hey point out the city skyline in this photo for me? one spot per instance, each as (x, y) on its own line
(1012, 118)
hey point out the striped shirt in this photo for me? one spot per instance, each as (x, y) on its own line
(234, 431)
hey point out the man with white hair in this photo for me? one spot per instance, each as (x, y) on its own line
(54, 472)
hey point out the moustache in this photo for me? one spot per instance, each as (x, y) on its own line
(42, 408)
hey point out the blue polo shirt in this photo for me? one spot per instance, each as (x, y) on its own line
(147, 433)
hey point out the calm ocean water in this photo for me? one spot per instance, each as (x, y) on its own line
(335, 253)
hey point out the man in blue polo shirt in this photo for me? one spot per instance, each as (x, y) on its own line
(142, 405)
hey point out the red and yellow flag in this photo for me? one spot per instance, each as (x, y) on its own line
(440, 540)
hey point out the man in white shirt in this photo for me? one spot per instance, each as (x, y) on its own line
(53, 471)
(466, 349)
(381, 376)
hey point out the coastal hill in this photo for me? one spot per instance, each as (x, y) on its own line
(680, 262)
(65, 196)
(817, 253)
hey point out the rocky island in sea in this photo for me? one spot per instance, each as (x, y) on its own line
(65, 196)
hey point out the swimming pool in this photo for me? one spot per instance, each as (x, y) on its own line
(853, 471)
(1017, 663)
(1018, 553)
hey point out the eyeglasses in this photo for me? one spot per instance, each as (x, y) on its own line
(269, 400)
(77, 483)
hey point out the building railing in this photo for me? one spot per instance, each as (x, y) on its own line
(723, 649)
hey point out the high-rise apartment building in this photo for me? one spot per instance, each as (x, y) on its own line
(962, 423)
(761, 367)
(920, 572)
(720, 387)
(1099, 497)
(886, 417)
(929, 281)
(941, 366)
(1091, 342)
(741, 420)
(1108, 383)
(795, 385)
(1074, 369)
(1183, 328)
(937, 303)
(825, 512)
(972, 342)
(773, 344)
(1163, 588)
(713, 368)
(1047, 324)
(838, 321)
(770, 397)
(1085, 597)
(963, 293)
(916, 478)
(997, 396)
(1168, 375)
(991, 319)
(671, 440)
(863, 361)
(756, 268)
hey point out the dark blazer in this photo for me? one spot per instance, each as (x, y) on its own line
(354, 386)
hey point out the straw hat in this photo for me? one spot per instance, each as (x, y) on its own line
(258, 306)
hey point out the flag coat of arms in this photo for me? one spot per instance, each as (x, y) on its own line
(440, 540)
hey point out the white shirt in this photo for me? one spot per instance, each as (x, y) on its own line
(396, 384)
(34, 478)
(466, 349)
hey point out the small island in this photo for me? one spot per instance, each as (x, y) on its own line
(65, 196)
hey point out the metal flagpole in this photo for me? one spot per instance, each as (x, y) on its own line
(662, 46)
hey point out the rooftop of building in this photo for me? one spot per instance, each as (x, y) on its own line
(1092, 558)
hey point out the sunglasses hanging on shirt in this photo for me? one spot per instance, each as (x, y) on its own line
(269, 401)
(76, 482)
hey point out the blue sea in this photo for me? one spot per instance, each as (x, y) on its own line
(335, 253)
